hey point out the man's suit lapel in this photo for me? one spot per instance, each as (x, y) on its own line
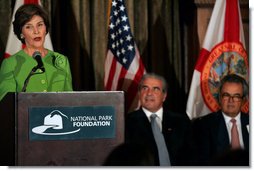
(245, 132)
(147, 126)
(170, 135)
(222, 134)
(166, 125)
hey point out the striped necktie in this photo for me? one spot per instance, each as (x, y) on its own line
(160, 142)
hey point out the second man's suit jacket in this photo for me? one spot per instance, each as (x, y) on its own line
(212, 138)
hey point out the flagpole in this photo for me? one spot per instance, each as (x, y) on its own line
(109, 10)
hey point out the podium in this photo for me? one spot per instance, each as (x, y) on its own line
(65, 129)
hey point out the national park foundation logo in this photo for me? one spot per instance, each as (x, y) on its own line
(54, 121)
(71, 123)
(225, 58)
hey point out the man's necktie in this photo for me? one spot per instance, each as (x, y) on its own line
(160, 142)
(235, 142)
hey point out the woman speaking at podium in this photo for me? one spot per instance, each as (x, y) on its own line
(34, 68)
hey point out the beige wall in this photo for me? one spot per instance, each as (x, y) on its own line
(204, 11)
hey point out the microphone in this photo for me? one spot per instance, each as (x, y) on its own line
(37, 57)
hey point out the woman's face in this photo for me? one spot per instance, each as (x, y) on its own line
(34, 32)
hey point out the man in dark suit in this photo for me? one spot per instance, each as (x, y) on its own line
(212, 132)
(175, 128)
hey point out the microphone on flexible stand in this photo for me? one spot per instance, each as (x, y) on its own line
(37, 57)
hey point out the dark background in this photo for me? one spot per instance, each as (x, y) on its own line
(168, 33)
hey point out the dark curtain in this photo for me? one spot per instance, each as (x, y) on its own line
(165, 32)
(68, 39)
(79, 30)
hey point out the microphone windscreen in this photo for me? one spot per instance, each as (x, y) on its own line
(37, 57)
(36, 53)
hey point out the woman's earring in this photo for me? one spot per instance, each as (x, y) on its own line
(22, 36)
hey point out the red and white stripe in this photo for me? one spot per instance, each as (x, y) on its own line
(118, 78)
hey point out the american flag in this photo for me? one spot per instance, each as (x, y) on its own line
(123, 65)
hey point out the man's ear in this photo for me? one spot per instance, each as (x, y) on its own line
(244, 100)
(165, 96)
(219, 99)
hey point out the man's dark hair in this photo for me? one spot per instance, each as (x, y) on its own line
(233, 78)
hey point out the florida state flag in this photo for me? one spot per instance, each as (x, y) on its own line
(223, 52)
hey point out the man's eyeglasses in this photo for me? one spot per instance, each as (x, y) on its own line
(235, 98)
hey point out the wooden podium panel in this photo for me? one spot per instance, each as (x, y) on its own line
(7, 130)
(34, 147)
